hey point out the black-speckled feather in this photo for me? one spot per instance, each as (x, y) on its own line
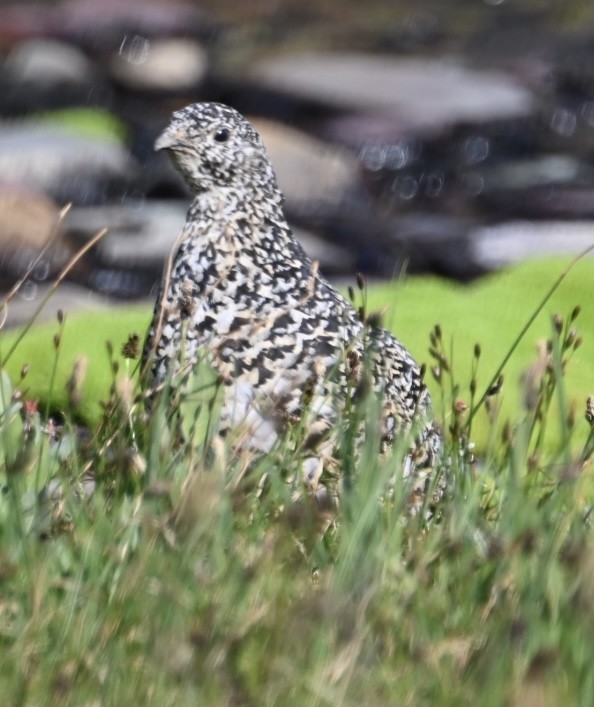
(242, 292)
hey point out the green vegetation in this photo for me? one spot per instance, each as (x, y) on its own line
(194, 578)
(87, 122)
(491, 312)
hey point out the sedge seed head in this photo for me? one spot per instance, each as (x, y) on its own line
(374, 320)
(575, 313)
(590, 410)
(131, 348)
(571, 337)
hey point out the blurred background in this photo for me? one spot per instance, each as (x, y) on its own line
(452, 138)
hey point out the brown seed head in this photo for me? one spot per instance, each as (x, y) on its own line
(131, 348)
(575, 313)
(460, 407)
(590, 410)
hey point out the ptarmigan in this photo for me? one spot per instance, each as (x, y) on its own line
(242, 292)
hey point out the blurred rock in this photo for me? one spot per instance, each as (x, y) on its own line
(27, 222)
(160, 64)
(41, 61)
(332, 258)
(43, 74)
(140, 234)
(308, 170)
(541, 171)
(437, 243)
(128, 261)
(496, 246)
(414, 157)
(425, 93)
(67, 166)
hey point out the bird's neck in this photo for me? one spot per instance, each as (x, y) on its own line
(228, 204)
(249, 224)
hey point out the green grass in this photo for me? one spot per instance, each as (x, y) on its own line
(491, 312)
(83, 338)
(184, 579)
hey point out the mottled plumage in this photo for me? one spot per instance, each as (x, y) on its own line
(242, 292)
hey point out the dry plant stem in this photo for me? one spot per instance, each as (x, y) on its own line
(163, 302)
(527, 326)
(17, 286)
(54, 286)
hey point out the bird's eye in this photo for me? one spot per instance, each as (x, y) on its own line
(221, 135)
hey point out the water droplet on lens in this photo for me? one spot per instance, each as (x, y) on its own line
(134, 49)
(433, 184)
(372, 157)
(405, 187)
(587, 113)
(41, 271)
(475, 149)
(396, 156)
(28, 291)
(563, 122)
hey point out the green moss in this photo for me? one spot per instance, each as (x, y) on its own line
(89, 122)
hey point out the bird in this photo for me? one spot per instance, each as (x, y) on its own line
(287, 347)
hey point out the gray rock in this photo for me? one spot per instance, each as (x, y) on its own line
(160, 64)
(42, 61)
(503, 244)
(425, 93)
(331, 257)
(138, 234)
(536, 172)
(62, 163)
(308, 169)
(27, 221)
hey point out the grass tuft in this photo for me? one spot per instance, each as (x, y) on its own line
(142, 560)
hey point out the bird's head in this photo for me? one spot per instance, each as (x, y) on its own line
(214, 146)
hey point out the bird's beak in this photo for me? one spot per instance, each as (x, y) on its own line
(169, 138)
